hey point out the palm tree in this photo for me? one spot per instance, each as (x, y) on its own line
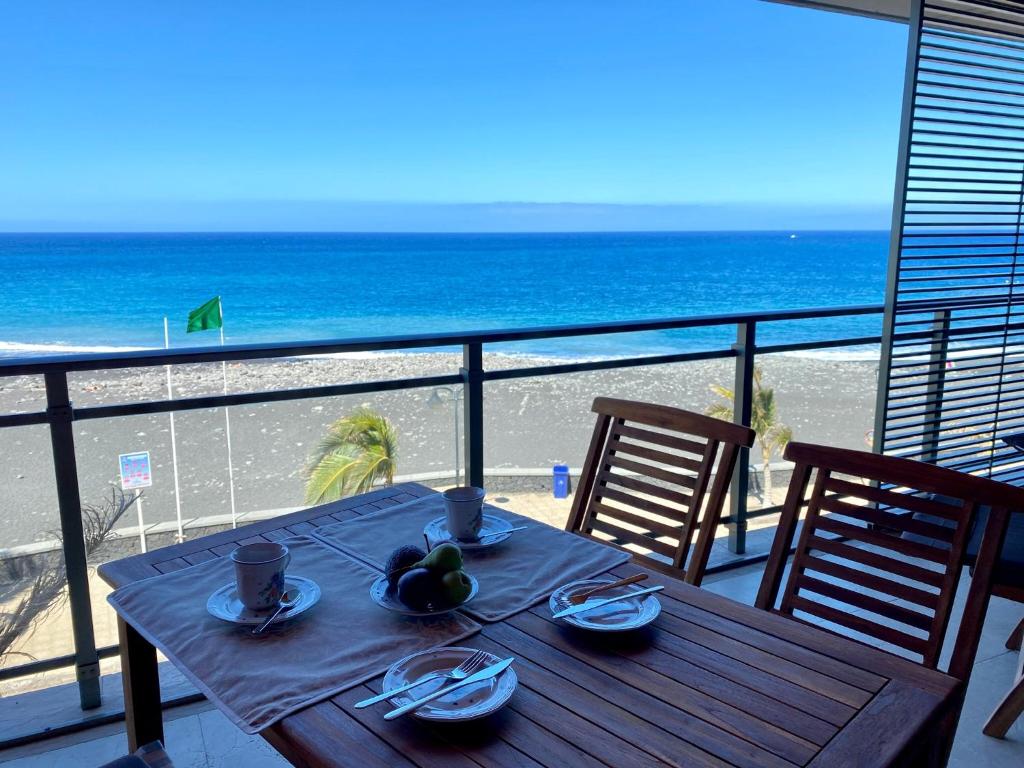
(358, 451)
(772, 436)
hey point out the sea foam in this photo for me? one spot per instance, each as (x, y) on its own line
(17, 349)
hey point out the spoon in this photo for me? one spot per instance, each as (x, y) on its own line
(482, 536)
(288, 601)
(502, 533)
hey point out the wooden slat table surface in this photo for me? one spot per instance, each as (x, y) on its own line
(711, 683)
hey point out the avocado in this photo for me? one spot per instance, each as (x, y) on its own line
(401, 561)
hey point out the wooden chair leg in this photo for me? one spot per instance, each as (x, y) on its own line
(1016, 638)
(1010, 708)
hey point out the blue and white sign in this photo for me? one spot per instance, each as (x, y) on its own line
(135, 470)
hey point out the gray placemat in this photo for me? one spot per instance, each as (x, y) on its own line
(514, 575)
(343, 641)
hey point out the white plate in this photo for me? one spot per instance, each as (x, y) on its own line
(384, 596)
(468, 703)
(224, 603)
(437, 531)
(620, 616)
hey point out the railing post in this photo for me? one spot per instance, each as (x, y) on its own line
(473, 411)
(936, 382)
(743, 394)
(59, 415)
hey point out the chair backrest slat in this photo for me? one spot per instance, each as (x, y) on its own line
(621, 462)
(861, 556)
(877, 555)
(647, 482)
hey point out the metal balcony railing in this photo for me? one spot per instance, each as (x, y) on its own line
(60, 415)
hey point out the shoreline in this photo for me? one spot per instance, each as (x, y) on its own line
(9, 350)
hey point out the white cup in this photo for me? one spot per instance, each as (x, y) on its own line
(259, 574)
(465, 511)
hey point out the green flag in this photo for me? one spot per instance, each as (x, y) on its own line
(206, 317)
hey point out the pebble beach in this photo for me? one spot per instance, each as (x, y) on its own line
(530, 423)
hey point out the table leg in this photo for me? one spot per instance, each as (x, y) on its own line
(141, 679)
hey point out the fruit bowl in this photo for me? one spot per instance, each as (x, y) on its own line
(419, 583)
(384, 596)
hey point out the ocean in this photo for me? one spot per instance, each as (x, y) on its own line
(108, 292)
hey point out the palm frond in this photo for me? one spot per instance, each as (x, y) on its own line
(724, 410)
(46, 592)
(778, 437)
(720, 411)
(724, 392)
(328, 478)
(367, 468)
(764, 417)
(358, 451)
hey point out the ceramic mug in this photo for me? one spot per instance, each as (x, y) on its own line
(259, 574)
(465, 511)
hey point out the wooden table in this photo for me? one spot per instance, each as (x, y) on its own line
(710, 683)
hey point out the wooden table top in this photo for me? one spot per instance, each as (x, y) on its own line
(711, 683)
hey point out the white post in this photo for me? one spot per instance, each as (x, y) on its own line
(174, 445)
(142, 525)
(227, 422)
(455, 408)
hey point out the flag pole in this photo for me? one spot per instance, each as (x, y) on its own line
(142, 525)
(174, 445)
(227, 420)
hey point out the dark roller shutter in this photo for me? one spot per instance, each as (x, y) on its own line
(950, 383)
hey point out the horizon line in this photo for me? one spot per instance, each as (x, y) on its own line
(784, 230)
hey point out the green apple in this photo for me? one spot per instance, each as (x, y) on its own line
(443, 558)
(455, 587)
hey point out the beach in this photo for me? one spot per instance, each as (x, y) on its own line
(529, 423)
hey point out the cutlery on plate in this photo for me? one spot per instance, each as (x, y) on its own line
(598, 603)
(484, 674)
(288, 601)
(501, 533)
(482, 536)
(468, 666)
(581, 597)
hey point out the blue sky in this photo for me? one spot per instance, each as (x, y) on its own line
(447, 115)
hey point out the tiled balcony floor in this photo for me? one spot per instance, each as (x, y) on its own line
(200, 737)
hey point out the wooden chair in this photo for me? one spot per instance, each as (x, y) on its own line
(1008, 583)
(645, 482)
(863, 547)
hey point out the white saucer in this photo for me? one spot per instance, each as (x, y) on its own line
(437, 531)
(224, 603)
(620, 616)
(385, 597)
(468, 703)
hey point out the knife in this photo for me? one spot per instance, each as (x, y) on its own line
(591, 605)
(484, 674)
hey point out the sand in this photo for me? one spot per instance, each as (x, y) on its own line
(529, 423)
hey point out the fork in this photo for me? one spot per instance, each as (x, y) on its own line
(468, 666)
